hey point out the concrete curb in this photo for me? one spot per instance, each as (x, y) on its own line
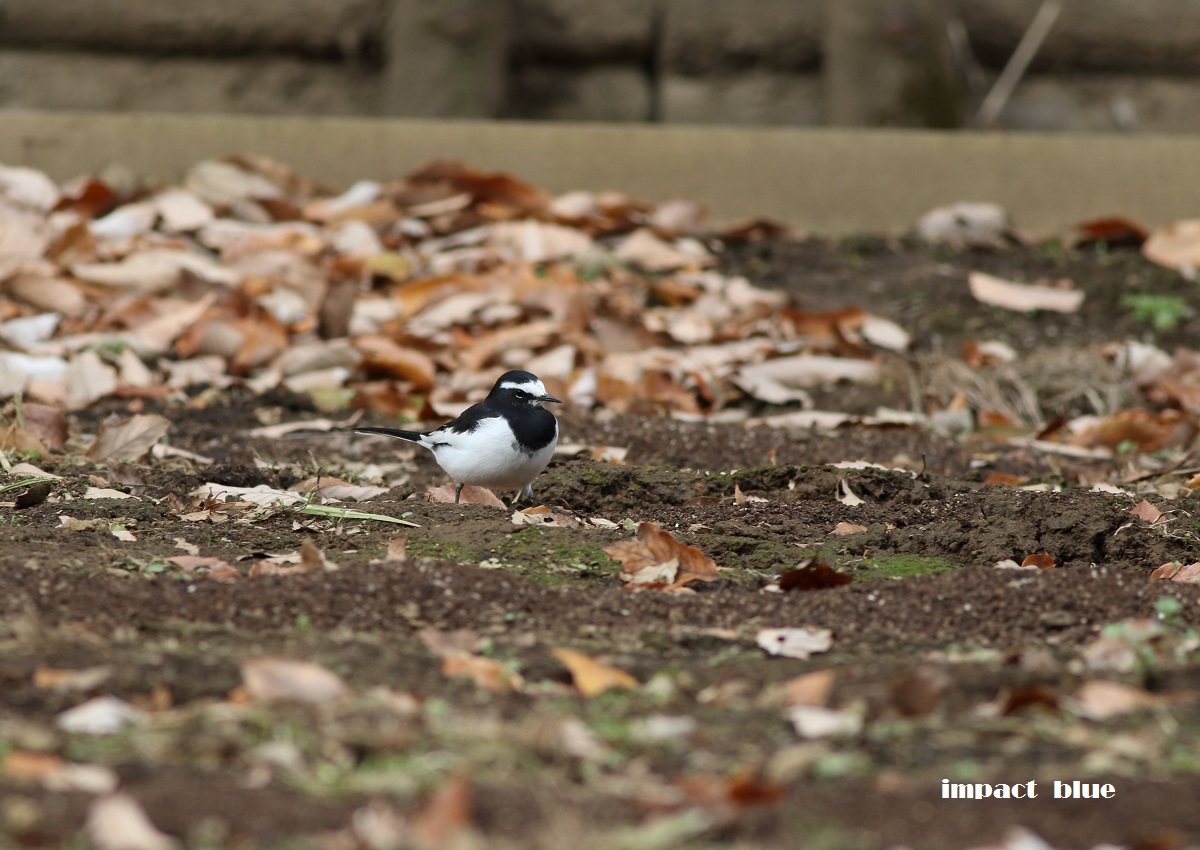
(823, 181)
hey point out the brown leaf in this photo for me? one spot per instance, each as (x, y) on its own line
(471, 495)
(50, 678)
(1175, 571)
(1113, 231)
(446, 643)
(272, 679)
(130, 439)
(489, 673)
(1041, 560)
(545, 517)
(813, 575)
(1013, 700)
(719, 793)
(848, 528)
(384, 358)
(445, 817)
(223, 572)
(312, 559)
(810, 688)
(397, 549)
(654, 547)
(47, 422)
(500, 194)
(1100, 699)
(1146, 512)
(592, 677)
(27, 765)
(917, 693)
(1149, 431)
(1175, 245)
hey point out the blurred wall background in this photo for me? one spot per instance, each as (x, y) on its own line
(1104, 65)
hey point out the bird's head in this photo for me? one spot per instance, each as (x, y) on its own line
(520, 387)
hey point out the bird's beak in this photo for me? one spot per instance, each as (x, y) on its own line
(547, 398)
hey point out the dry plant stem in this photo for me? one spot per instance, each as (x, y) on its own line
(1018, 63)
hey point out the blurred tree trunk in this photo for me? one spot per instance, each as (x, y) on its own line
(445, 58)
(890, 63)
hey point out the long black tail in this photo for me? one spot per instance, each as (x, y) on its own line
(411, 436)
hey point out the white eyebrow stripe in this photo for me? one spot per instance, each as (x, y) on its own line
(529, 387)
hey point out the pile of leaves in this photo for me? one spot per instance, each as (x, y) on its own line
(407, 297)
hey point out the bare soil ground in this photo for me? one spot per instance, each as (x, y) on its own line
(956, 670)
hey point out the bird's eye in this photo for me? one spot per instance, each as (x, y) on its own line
(520, 394)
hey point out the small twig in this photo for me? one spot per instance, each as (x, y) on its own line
(1018, 63)
(1176, 468)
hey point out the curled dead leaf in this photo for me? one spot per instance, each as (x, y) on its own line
(656, 549)
(1041, 560)
(592, 677)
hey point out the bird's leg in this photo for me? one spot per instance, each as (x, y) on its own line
(457, 493)
(526, 493)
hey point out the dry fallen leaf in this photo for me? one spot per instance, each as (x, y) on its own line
(795, 642)
(592, 677)
(1101, 699)
(273, 679)
(118, 822)
(814, 721)
(965, 223)
(445, 818)
(57, 775)
(397, 550)
(471, 495)
(312, 559)
(1175, 571)
(656, 549)
(1146, 512)
(544, 516)
(812, 575)
(918, 692)
(810, 688)
(338, 490)
(1147, 431)
(130, 439)
(260, 494)
(848, 528)
(102, 715)
(84, 679)
(1023, 297)
(1176, 246)
(489, 673)
(1040, 560)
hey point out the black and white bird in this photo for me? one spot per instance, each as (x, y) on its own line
(502, 443)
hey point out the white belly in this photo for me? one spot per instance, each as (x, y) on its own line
(487, 458)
